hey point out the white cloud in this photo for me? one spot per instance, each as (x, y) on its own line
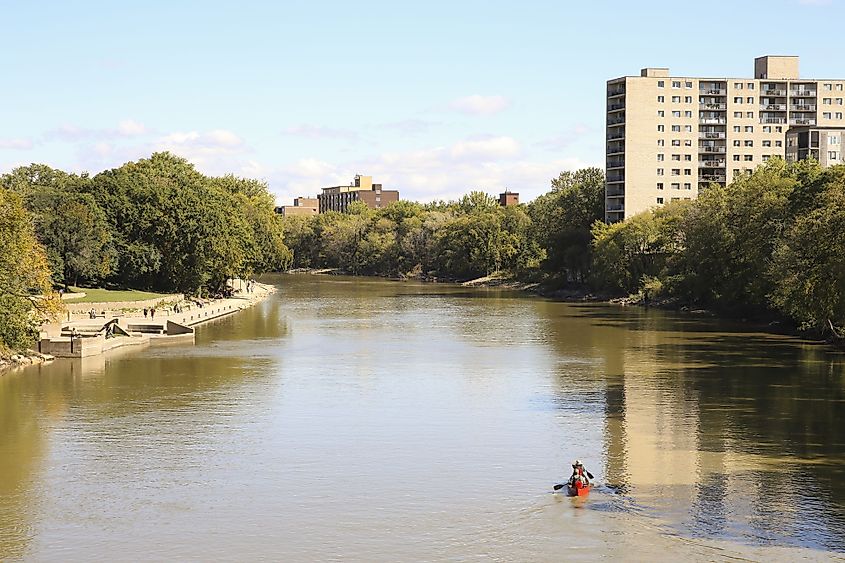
(16, 144)
(563, 140)
(480, 105)
(492, 147)
(131, 128)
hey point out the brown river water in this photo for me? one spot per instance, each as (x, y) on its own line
(369, 420)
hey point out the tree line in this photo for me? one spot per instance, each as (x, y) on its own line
(770, 242)
(155, 224)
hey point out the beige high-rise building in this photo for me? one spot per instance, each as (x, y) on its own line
(669, 137)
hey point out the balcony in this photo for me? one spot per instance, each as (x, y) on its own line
(616, 136)
(712, 92)
(613, 92)
(615, 178)
(772, 120)
(773, 107)
(714, 106)
(615, 163)
(712, 178)
(711, 135)
(803, 93)
(803, 107)
(615, 149)
(716, 150)
(802, 121)
(712, 120)
(615, 207)
(614, 191)
(615, 106)
(711, 163)
(777, 93)
(616, 120)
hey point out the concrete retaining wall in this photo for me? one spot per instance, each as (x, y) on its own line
(117, 305)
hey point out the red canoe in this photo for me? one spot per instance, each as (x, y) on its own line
(578, 490)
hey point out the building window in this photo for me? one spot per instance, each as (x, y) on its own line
(839, 87)
(833, 140)
(676, 99)
(676, 172)
(688, 128)
(737, 114)
(767, 128)
(676, 142)
(660, 84)
(688, 157)
(660, 99)
(767, 143)
(748, 158)
(736, 142)
(749, 100)
(660, 200)
(766, 157)
(737, 128)
(736, 157)
(687, 186)
(676, 84)
(660, 157)
(750, 85)
(676, 114)
(661, 128)
(738, 85)
(660, 172)
(749, 143)
(749, 114)
(660, 113)
(688, 99)
(687, 143)
(838, 115)
(827, 101)
(826, 115)
(738, 100)
(659, 185)
(676, 128)
(832, 155)
(676, 157)
(688, 84)
(828, 87)
(749, 128)
(660, 142)
(676, 186)
(778, 143)
(838, 101)
(778, 129)
(687, 171)
(687, 114)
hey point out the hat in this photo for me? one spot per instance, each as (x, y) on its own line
(576, 463)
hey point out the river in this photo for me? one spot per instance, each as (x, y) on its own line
(371, 420)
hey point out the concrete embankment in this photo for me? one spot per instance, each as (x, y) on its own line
(116, 329)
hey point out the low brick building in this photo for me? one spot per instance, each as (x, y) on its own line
(508, 198)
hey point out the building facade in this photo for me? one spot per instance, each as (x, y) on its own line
(301, 206)
(338, 198)
(821, 144)
(670, 137)
(508, 198)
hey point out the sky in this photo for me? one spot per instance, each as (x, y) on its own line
(431, 98)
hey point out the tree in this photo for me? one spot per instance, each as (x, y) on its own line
(562, 221)
(26, 296)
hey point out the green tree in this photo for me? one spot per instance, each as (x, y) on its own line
(26, 296)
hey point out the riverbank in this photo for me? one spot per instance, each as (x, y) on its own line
(83, 336)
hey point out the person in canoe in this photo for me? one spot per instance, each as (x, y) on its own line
(579, 474)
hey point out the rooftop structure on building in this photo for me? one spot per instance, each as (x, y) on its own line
(338, 198)
(508, 198)
(669, 137)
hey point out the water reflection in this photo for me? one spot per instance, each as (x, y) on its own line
(376, 420)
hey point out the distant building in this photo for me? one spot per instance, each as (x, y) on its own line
(820, 143)
(301, 206)
(338, 198)
(508, 198)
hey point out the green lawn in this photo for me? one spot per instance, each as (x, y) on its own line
(109, 296)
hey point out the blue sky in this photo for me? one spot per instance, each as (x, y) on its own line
(431, 98)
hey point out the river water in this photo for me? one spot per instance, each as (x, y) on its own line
(370, 420)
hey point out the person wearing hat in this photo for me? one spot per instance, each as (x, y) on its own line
(579, 474)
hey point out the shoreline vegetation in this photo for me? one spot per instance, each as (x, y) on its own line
(771, 244)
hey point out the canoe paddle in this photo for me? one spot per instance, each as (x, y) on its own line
(562, 485)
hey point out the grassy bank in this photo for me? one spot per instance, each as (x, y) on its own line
(95, 295)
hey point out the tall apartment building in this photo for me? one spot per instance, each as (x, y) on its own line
(670, 137)
(338, 198)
